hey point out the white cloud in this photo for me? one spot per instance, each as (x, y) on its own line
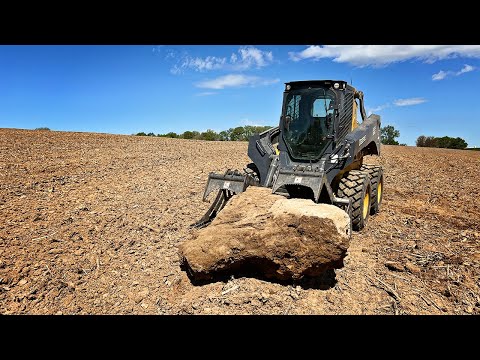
(247, 57)
(381, 107)
(208, 63)
(370, 111)
(409, 101)
(235, 80)
(206, 93)
(443, 74)
(250, 57)
(380, 55)
(198, 64)
(466, 68)
(248, 122)
(398, 102)
(175, 70)
(439, 76)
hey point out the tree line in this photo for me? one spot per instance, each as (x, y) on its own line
(441, 142)
(243, 133)
(240, 133)
(389, 133)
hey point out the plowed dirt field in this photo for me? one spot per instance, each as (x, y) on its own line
(90, 224)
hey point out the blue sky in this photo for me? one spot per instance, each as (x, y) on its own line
(419, 89)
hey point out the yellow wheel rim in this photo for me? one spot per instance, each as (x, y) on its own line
(366, 203)
(379, 192)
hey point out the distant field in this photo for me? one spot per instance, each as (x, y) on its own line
(90, 224)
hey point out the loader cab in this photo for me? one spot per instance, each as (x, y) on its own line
(308, 117)
(316, 114)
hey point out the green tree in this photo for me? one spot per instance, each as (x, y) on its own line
(188, 135)
(260, 129)
(171, 134)
(421, 141)
(225, 135)
(209, 135)
(459, 143)
(238, 134)
(388, 135)
(451, 143)
(141, 134)
(249, 131)
(431, 141)
(445, 142)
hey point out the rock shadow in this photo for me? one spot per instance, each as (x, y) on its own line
(265, 270)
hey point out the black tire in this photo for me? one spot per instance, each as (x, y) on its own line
(356, 186)
(375, 173)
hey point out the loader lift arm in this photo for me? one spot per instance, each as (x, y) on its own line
(359, 96)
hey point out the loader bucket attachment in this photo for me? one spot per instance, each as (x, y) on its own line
(228, 184)
(232, 181)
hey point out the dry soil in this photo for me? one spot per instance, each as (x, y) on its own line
(91, 223)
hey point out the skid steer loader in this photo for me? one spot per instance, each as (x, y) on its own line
(316, 152)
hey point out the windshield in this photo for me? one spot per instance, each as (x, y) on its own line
(308, 120)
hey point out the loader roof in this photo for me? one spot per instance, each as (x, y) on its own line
(303, 83)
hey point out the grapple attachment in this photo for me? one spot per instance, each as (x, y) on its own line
(227, 185)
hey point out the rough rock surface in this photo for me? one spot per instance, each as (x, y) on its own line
(269, 234)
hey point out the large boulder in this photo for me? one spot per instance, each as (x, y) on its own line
(258, 231)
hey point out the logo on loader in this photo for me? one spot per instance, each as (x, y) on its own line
(362, 140)
(298, 180)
